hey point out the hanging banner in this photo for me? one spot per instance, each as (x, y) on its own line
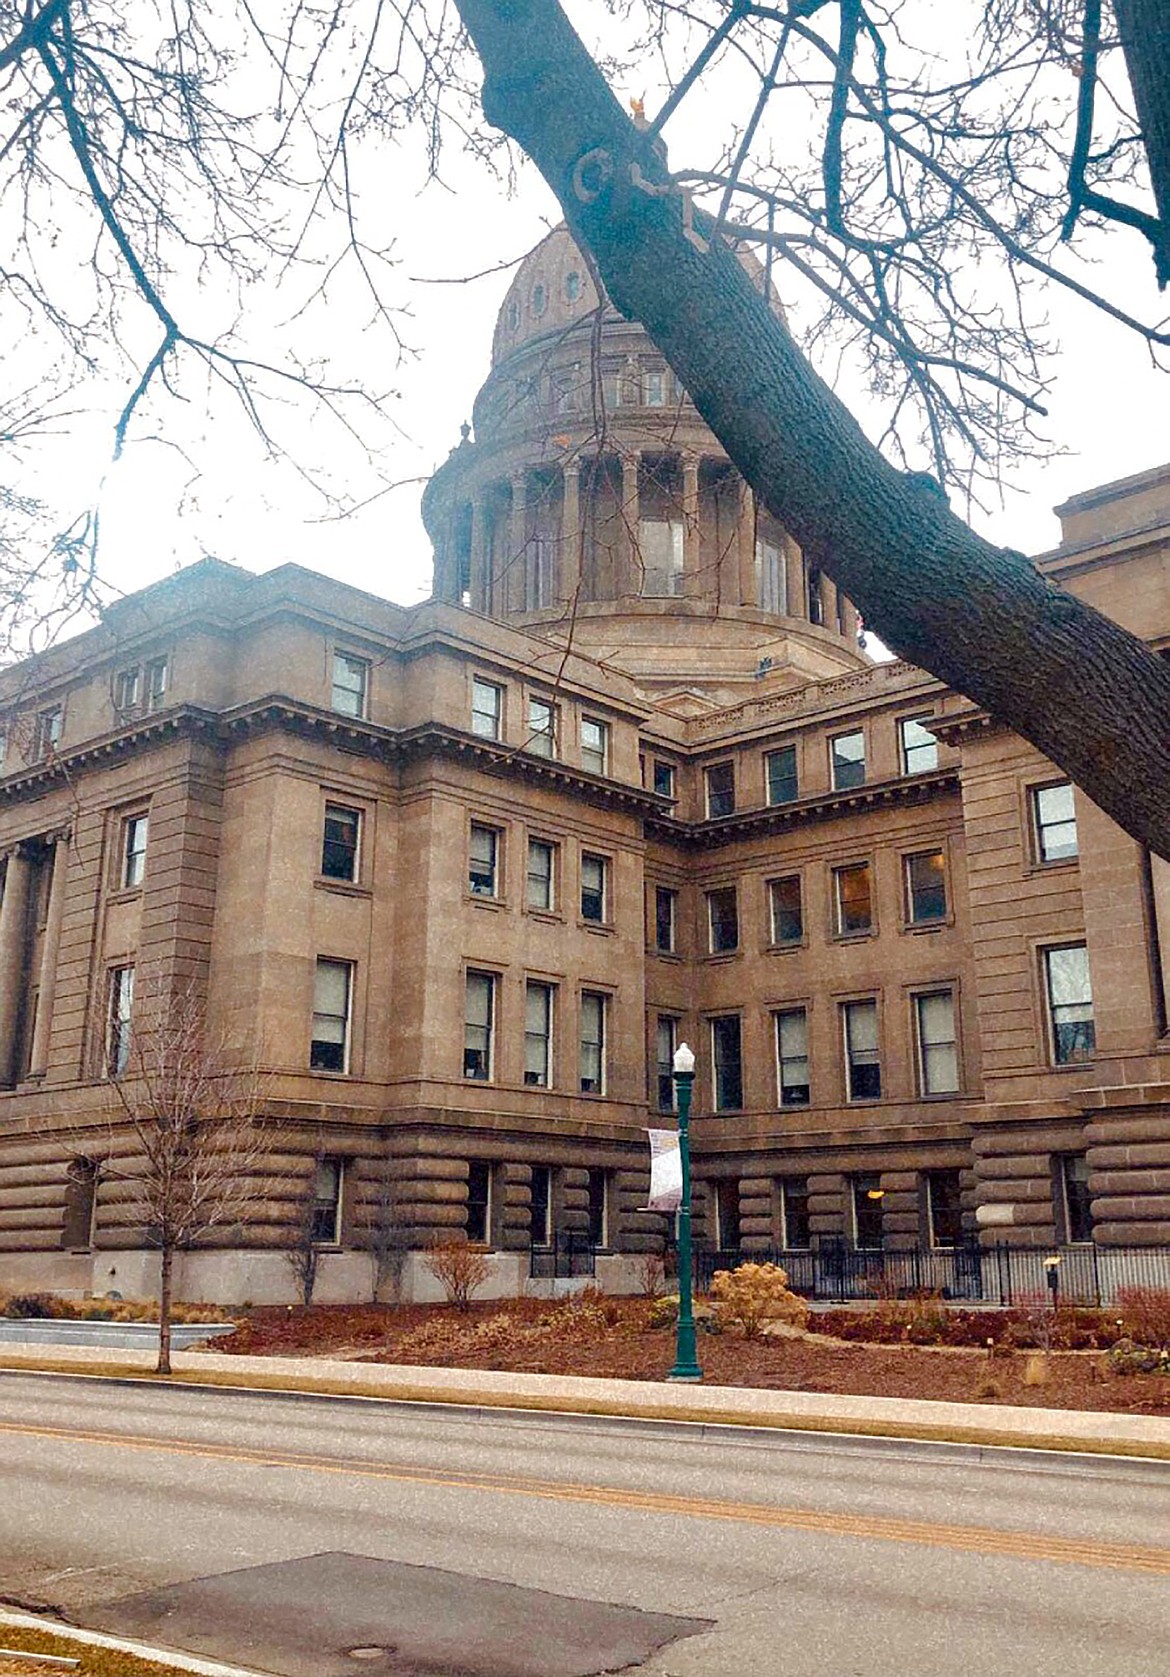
(665, 1171)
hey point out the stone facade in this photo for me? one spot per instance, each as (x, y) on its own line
(456, 880)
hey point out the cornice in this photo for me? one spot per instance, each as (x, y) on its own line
(775, 818)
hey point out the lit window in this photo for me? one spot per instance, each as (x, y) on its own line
(156, 684)
(542, 728)
(538, 1016)
(722, 920)
(121, 1006)
(1074, 1201)
(1054, 823)
(47, 736)
(665, 920)
(598, 1191)
(663, 778)
(593, 888)
(720, 784)
(919, 747)
(863, 1064)
(938, 1050)
(792, 1081)
(329, 1047)
(780, 767)
(127, 686)
(479, 1202)
(540, 875)
(771, 578)
(328, 1176)
(660, 544)
(926, 887)
(134, 831)
(339, 842)
(1070, 1004)
(594, 745)
(785, 908)
(867, 1196)
(727, 1063)
(593, 1020)
(848, 758)
(350, 683)
(479, 1025)
(483, 861)
(487, 705)
(665, 1043)
(944, 1208)
(853, 899)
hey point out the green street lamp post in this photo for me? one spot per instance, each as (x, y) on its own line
(686, 1361)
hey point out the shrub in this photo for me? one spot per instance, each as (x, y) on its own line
(755, 1294)
(28, 1307)
(1145, 1314)
(1126, 1357)
(460, 1269)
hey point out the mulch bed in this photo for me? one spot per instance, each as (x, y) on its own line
(611, 1339)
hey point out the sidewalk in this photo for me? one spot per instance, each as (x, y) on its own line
(991, 1424)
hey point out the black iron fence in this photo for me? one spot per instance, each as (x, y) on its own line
(1000, 1275)
(571, 1253)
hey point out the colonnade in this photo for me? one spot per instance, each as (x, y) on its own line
(22, 867)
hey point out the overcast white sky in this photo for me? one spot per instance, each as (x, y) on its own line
(1108, 408)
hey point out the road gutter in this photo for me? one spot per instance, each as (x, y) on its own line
(166, 1658)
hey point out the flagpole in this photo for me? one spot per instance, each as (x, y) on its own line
(686, 1360)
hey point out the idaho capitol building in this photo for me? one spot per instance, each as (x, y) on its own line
(460, 878)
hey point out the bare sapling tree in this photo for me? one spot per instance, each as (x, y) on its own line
(188, 1140)
(302, 1252)
(381, 1235)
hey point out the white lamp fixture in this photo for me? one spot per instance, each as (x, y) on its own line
(684, 1060)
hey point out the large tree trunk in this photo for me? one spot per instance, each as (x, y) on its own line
(1144, 26)
(1092, 697)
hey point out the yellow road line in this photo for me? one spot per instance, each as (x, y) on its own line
(980, 1540)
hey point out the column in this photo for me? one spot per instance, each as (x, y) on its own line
(797, 594)
(513, 587)
(829, 601)
(745, 531)
(1160, 880)
(480, 589)
(691, 533)
(570, 533)
(628, 580)
(13, 941)
(50, 948)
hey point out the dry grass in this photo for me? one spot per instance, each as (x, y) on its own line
(91, 1661)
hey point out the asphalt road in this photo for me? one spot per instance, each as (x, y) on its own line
(324, 1536)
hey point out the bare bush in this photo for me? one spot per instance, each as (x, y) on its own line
(755, 1294)
(459, 1268)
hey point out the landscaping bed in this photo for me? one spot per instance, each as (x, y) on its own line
(612, 1338)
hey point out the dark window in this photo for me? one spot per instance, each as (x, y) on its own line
(727, 1215)
(944, 1208)
(48, 733)
(487, 704)
(329, 1047)
(540, 1224)
(1070, 1004)
(794, 1222)
(727, 1063)
(919, 747)
(593, 882)
(339, 848)
(792, 1082)
(787, 915)
(1075, 1203)
(665, 920)
(81, 1186)
(483, 860)
(816, 602)
(926, 887)
(127, 687)
(598, 1207)
(593, 1007)
(781, 771)
(479, 1202)
(723, 920)
(328, 1176)
(666, 1034)
(853, 899)
(663, 778)
(479, 1025)
(848, 759)
(134, 835)
(861, 1051)
(867, 1210)
(1054, 820)
(720, 781)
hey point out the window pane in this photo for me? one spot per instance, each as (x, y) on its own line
(1070, 1004)
(331, 984)
(861, 1049)
(664, 920)
(854, 900)
(660, 542)
(795, 1227)
(787, 915)
(540, 874)
(349, 684)
(848, 753)
(937, 1048)
(792, 1057)
(481, 872)
(723, 920)
(327, 1179)
(592, 1043)
(479, 1197)
(1056, 823)
(485, 709)
(598, 1207)
(771, 578)
(593, 745)
(926, 887)
(537, 1034)
(919, 748)
(728, 1080)
(340, 843)
(1078, 1203)
(134, 861)
(663, 779)
(541, 740)
(944, 1207)
(593, 888)
(781, 767)
(665, 1044)
(720, 780)
(867, 1210)
(477, 1031)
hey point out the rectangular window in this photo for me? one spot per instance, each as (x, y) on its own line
(722, 920)
(938, 1050)
(926, 887)
(780, 767)
(539, 557)
(792, 1084)
(78, 1223)
(593, 1020)
(127, 689)
(848, 760)
(542, 728)
(487, 709)
(795, 1229)
(598, 1207)
(339, 842)
(867, 1196)
(786, 909)
(665, 1043)
(594, 888)
(919, 746)
(134, 831)
(479, 1025)
(1054, 823)
(663, 778)
(541, 886)
(665, 920)
(540, 1219)
(121, 1006)
(727, 1063)
(720, 783)
(944, 1208)
(479, 1202)
(350, 683)
(328, 1176)
(329, 1047)
(538, 1020)
(660, 543)
(862, 1061)
(47, 737)
(771, 578)
(483, 875)
(594, 745)
(155, 682)
(1074, 1202)
(852, 900)
(727, 1232)
(1070, 1004)
(816, 598)
(654, 387)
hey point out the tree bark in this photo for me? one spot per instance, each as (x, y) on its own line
(166, 1267)
(1144, 26)
(1093, 698)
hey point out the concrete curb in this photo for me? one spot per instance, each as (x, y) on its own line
(1118, 1435)
(140, 1650)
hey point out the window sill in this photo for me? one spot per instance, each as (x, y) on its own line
(854, 937)
(716, 957)
(548, 916)
(484, 902)
(342, 887)
(1068, 864)
(914, 928)
(605, 928)
(124, 894)
(785, 948)
(664, 954)
(333, 1076)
